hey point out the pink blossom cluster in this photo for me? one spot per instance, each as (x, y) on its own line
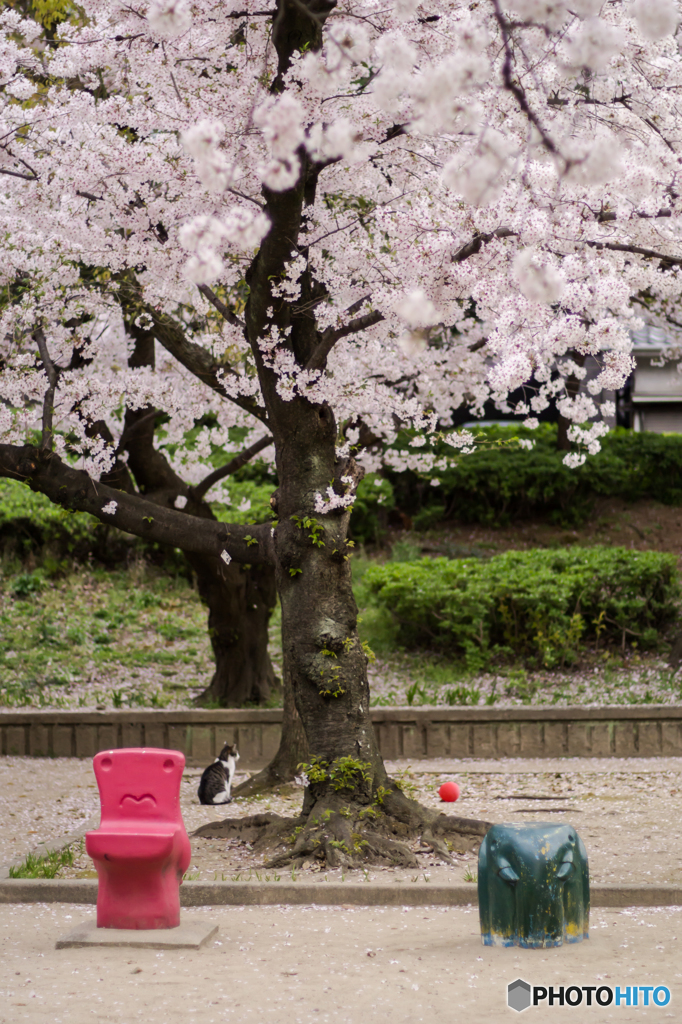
(498, 198)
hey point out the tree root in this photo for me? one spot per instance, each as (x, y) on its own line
(251, 830)
(264, 781)
(437, 845)
(342, 831)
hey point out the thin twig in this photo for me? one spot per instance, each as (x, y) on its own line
(175, 86)
(224, 311)
(513, 87)
(638, 250)
(243, 195)
(230, 467)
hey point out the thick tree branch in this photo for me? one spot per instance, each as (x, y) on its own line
(48, 401)
(172, 336)
(75, 490)
(318, 360)
(610, 215)
(133, 428)
(638, 250)
(474, 246)
(230, 467)
(199, 361)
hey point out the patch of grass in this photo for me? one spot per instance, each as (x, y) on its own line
(469, 875)
(92, 627)
(43, 867)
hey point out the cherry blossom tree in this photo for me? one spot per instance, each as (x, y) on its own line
(335, 220)
(240, 598)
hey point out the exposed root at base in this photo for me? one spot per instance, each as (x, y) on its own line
(340, 833)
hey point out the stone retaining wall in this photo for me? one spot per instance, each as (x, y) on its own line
(621, 731)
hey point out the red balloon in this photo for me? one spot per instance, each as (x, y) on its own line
(449, 792)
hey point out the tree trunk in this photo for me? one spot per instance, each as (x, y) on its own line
(352, 812)
(240, 601)
(240, 598)
(293, 751)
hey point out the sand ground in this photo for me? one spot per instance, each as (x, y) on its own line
(292, 965)
(628, 813)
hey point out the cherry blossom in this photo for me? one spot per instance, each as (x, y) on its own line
(489, 195)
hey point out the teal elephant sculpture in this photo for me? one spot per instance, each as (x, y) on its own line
(533, 886)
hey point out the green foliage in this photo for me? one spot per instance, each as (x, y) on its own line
(539, 605)
(343, 773)
(249, 502)
(51, 12)
(43, 867)
(374, 499)
(30, 524)
(463, 695)
(34, 520)
(27, 583)
(404, 551)
(315, 529)
(500, 482)
(62, 638)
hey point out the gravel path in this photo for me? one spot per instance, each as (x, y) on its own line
(294, 965)
(42, 799)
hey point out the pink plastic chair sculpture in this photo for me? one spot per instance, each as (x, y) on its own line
(141, 849)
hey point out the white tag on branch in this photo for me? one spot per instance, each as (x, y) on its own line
(110, 508)
(225, 557)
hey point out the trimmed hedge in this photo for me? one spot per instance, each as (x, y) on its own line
(542, 606)
(496, 485)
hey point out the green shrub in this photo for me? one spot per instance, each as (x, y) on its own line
(34, 520)
(541, 606)
(495, 485)
(373, 501)
(31, 524)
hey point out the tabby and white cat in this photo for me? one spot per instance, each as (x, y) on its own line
(216, 780)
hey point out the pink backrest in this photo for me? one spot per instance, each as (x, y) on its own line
(139, 786)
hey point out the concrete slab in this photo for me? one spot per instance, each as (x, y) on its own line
(192, 933)
(330, 965)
